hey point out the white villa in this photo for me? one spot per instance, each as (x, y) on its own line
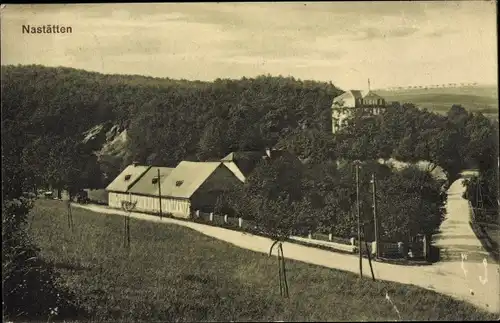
(345, 105)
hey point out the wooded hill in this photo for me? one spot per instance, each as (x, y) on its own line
(167, 120)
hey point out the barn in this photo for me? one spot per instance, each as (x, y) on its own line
(194, 186)
(189, 186)
(118, 188)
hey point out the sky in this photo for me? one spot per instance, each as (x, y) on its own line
(392, 43)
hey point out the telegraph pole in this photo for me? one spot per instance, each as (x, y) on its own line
(159, 192)
(356, 163)
(375, 219)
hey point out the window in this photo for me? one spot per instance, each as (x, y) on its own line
(178, 183)
(127, 177)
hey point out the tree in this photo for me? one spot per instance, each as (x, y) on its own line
(30, 289)
(312, 145)
(276, 200)
(411, 203)
(212, 144)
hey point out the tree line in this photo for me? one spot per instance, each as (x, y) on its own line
(167, 120)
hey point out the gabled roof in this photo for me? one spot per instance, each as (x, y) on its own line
(127, 178)
(229, 158)
(356, 94)
(235, 170)
(145, 184)
(186, 178)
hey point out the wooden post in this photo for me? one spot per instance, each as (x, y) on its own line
(375, 218)
(425, 246)
(125, 230)
(70, 215)
(159, 192)
(240, 222)
(359, 221)
(368, 251)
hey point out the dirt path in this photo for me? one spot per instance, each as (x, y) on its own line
(445, 277)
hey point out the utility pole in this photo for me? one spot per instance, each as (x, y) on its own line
(159, 192)
(498, 169)
(356, 163)
(375, 219)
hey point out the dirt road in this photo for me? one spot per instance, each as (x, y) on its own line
(473, 281)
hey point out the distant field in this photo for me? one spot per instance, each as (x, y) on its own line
(175, 274)
(475, 98)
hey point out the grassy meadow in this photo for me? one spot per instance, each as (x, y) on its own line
(474, 98)
(173, 273)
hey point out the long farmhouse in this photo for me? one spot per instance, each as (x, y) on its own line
(189, 186)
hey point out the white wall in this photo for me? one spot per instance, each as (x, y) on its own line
(146, 203)
(179, 208)
(115, 199)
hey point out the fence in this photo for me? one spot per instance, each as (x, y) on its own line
(387, 249)
(223, 220)
(392, 250)
(329, 237)
(484, 231)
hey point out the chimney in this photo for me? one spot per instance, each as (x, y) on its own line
(268, 152)
(135, 163)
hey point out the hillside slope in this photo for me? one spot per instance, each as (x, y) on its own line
(166, 120)
(176, 274)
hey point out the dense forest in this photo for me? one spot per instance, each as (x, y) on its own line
(167, 120)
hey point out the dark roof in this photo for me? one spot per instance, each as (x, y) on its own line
(356, 94)
(371, 94)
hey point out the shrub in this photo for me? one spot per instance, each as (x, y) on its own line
(30, 285)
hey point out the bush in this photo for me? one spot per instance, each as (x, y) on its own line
(30, 285)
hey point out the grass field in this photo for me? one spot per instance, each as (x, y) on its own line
(474, 98)
(175, 274)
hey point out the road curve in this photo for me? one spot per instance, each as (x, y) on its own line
(450, 277)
